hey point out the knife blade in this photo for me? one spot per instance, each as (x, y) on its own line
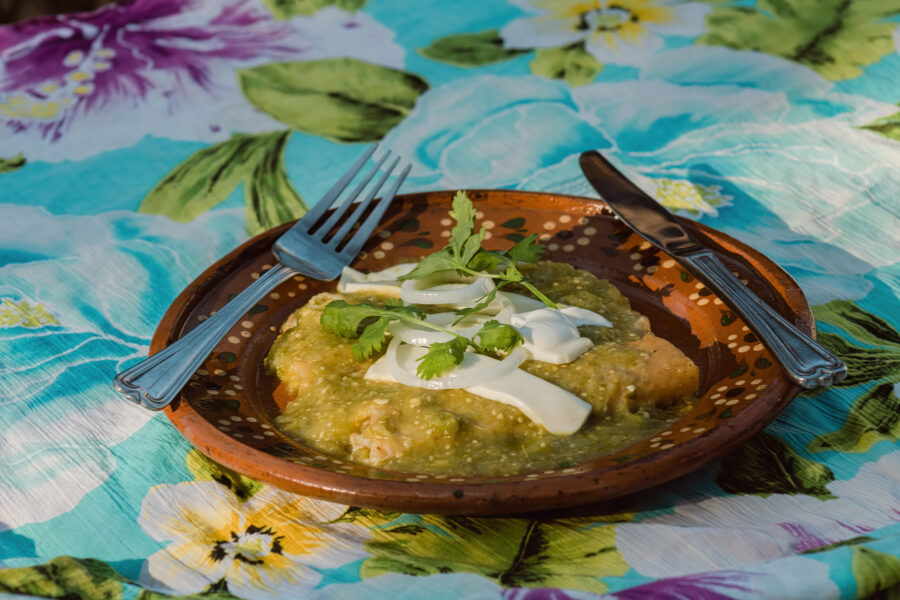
(806, 362)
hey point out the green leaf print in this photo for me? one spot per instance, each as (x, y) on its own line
(874, 417)
(470, 49)
(215, 591)
(835, 37)
(8, 165)
(367, 517)
(285, 9)
(767, 465)
(573, 64)
(875, 573)
(210, 175)
(566, 553)
(864, 364)
(860, 539)
(206, 178)
(270, 198)
(23, 314)
(878, 359)
(64, 577)
(87, 579)
(888, 126)
(863, 325)
(204, 469)
(343, 99)
(872, 357)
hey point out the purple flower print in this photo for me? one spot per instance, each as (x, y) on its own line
(542, 594)
(160, 67)
(58, 67)
(702, 586)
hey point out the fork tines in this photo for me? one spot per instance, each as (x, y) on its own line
(327, 218)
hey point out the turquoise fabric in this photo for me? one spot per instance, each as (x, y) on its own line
(775, 122)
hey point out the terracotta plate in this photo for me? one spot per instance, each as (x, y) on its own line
(227, 409)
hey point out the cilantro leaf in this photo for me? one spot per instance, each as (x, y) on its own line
(471, 247)
(442, 356)
(486, 260)
(464, 253)
(372, 339)
(442, 260)
(485, 301)
(347, 319)
(464, 212)
(527, 250)
(344, 318)
(495, 335)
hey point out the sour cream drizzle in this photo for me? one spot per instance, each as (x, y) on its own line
(550, 335)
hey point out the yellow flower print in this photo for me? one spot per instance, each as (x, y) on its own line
(23, 314)
(266, 547)
(692, 198)
(626, 32)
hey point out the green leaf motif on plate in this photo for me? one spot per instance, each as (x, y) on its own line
(342, 99)
(285, 9)
(270, 198)
(209, 176)
(875, 573)
(64, 577)
(872, 356)
(514, 223)
(470, 49)
(888, 126)
(836, 38)
(573, 64)
(768, 465)
(204, 469)
(564, 553)
(8, 165)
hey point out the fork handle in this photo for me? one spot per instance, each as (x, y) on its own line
(807, 363)
(155, 381)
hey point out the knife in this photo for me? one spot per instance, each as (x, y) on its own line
(806, 362)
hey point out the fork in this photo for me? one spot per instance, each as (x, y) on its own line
(303, 249)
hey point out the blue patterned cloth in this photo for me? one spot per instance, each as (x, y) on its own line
(135, 140)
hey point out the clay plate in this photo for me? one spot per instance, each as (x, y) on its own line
(227, 408)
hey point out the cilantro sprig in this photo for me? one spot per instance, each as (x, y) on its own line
(464, 254)
(369, 324)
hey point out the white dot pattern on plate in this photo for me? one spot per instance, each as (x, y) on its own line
(569, 240)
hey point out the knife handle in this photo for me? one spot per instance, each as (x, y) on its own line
(807, 363)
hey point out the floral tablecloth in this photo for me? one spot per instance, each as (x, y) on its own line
(141, 142)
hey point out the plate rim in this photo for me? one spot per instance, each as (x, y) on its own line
(505, 496)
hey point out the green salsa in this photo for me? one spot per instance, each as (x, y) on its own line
(636, 383)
